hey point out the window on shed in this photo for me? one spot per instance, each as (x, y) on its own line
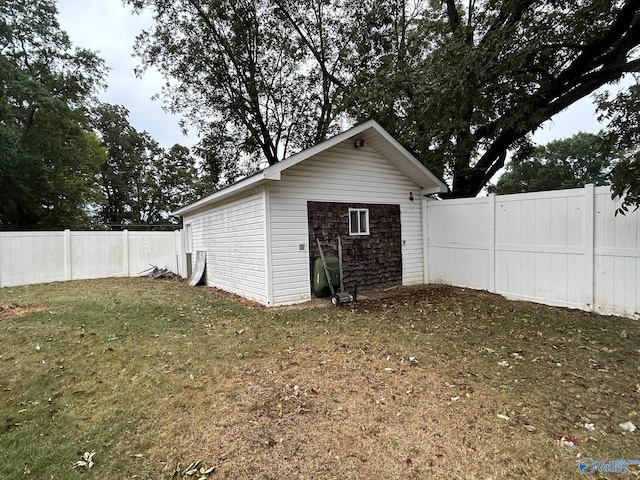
(358, 221)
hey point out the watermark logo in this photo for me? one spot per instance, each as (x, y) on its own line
(589, 466)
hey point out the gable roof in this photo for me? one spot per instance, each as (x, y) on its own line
(372, 133)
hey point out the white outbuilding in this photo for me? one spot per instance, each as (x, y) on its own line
(260, 234)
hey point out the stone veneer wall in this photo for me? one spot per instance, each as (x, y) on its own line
(371, 261)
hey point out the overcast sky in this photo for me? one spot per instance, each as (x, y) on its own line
(108, 27)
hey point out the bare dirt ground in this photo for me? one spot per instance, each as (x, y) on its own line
(12, 309)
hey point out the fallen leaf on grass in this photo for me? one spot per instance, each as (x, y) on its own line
(86, 462)
(530, 428)
(502, 416)
(628, 426)
(195, 469)
(566, 440)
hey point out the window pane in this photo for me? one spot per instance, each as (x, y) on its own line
(363, 221)
(353, 222)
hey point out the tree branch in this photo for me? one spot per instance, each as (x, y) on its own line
(307, 41)
(454, 16)
(28, 123)
(261, 135)
(511, 12)
(621, 27)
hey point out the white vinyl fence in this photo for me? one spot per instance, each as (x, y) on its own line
(562, 248)
(37, 257)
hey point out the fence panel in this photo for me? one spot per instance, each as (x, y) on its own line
(458, 242)
(97, 256)
(540, 246)
(616, 257)
(562, 247)
(157, 247)
(32, 257)
(38, 257)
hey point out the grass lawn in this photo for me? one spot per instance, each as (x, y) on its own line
(431, 382)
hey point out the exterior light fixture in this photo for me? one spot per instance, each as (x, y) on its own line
(359, 143)
(411, 196)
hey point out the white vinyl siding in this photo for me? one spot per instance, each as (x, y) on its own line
(338, 174)
(233, 234)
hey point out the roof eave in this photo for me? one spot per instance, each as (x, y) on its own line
(428, 180)
(243, 185)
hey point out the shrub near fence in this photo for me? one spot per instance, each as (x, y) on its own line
(564, 247)
(38, 257)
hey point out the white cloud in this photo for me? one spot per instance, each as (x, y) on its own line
(110, 28)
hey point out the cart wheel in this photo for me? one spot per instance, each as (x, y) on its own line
(352, 298)
(335, 299)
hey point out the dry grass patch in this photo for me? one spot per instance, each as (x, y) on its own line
(430, 382)
(12, 309)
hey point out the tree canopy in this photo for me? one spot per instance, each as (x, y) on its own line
(140, 182)
(459, 84)
(47, 157)
(569, 163)
(623, 113)
(252, 85)
(67, 161)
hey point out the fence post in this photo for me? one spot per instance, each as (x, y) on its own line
(125, 249)
(179, 251)
(425, 240)
(68, 274)
(491, 256)
(589, 233)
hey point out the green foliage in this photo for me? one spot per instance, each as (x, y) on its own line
(569, 163)
(461, 85)
(48, 161)
(625, 180)
(140, 181)
(54, 172)
(623, 113)
(243, 77)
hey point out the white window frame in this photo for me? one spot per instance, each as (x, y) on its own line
(357, 230)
